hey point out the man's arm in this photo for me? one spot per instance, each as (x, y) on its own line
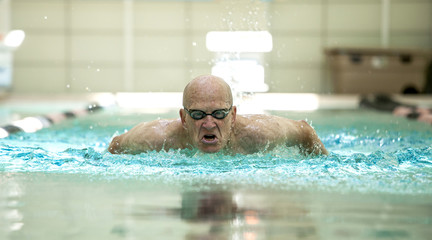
(115, 146)
(148, 136)
(133, 141)
(303, 135)
(257, 132)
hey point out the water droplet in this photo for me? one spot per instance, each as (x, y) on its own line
(68, 86)
(98, 70)
(45, 17)
(194, 44)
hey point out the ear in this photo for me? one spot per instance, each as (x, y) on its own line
(183, 117)
(234, 115)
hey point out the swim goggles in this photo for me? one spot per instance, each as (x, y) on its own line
(198, 114)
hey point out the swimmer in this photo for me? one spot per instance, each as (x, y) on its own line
(387, 104)
(209, 122)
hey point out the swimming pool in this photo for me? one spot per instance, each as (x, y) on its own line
(375, 184)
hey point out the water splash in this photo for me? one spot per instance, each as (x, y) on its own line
(405, 171)
(393, 160)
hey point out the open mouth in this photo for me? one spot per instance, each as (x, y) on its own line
(209, 139)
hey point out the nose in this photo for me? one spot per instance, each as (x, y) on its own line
(209, 122)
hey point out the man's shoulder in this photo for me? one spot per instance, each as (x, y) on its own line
(161, 127)
(158, 133)
(257, 125)
(263, 120)
(253, 133)
(265, 126)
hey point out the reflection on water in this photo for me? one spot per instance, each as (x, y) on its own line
(220, 210)
(11, 216)
(230, 217)
(213, 206)
(62, 206)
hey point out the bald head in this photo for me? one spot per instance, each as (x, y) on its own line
(209, 88)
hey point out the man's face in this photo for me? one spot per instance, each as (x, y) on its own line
(208, 134)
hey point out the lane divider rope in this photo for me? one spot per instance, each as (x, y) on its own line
(36, 123)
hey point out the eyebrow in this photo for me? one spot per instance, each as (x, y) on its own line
(191, 109)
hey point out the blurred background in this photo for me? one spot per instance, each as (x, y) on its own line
(87, 46)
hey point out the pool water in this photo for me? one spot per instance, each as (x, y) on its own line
(376, 183)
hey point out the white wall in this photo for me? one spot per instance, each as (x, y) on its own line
(83, 45)
(4, 16)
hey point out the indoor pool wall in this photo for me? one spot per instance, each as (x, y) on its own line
(60, 182)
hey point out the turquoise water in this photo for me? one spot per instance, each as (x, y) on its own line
(61, 183)
(370, 152)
